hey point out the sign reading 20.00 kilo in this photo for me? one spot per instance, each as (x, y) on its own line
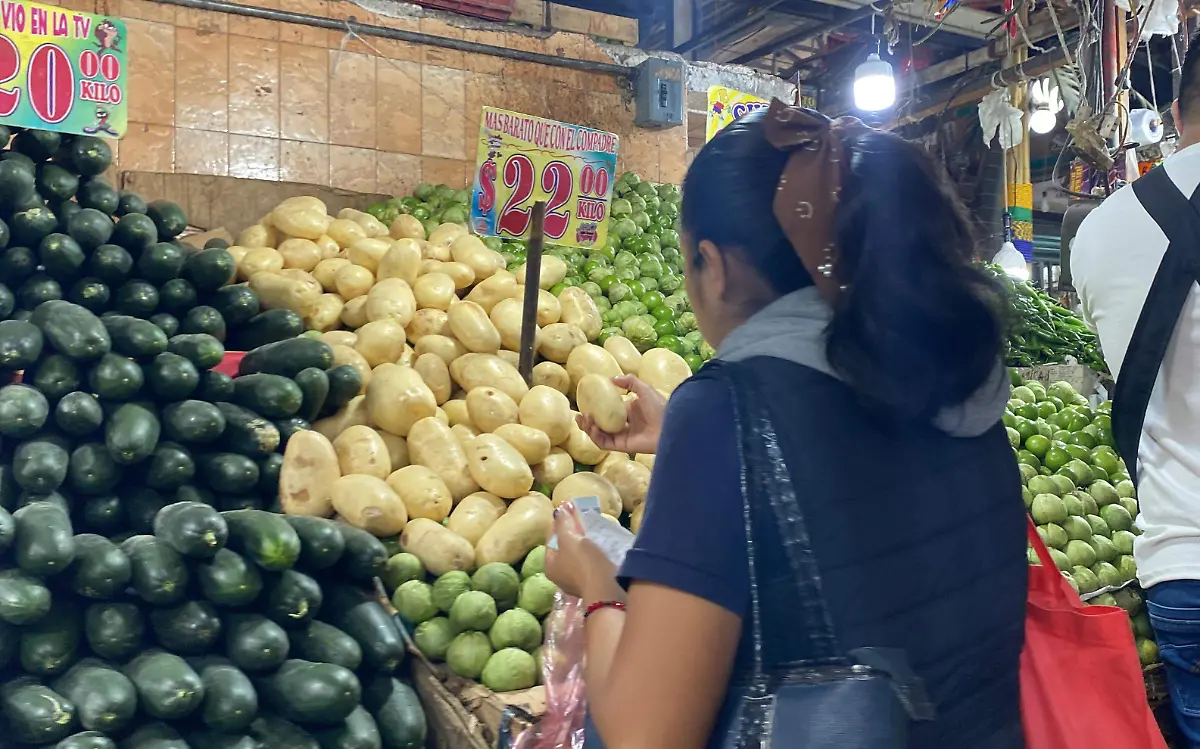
(62, 70)
(523, 159)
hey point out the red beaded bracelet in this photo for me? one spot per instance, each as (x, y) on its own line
(593, 608)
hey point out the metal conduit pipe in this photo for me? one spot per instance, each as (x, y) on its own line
(413, 37)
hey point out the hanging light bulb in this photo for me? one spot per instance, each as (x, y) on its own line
(1045, 104)
(1145, 127)
(874, 84)
(1042, 121)
(1011, 261)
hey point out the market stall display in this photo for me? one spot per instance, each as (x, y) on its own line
(1042, 331)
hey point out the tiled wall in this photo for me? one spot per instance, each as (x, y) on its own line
(221, 94)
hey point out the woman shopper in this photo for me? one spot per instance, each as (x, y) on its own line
(850, 429)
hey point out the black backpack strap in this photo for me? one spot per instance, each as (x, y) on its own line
(1178, 272)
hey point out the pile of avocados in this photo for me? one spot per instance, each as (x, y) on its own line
(151, 596)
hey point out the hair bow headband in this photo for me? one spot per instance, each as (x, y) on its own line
(808, 192)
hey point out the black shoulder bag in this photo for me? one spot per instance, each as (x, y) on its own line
(863, 699)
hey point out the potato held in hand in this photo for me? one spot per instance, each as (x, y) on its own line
(369, 503)
(498, 467)
(600, 399)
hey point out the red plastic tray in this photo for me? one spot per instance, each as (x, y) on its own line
(229, 365)
(493, 10)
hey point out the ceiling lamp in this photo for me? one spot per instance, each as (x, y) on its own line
(1044, 105)
(1011, 261)
(874, 84)
(1145, 127)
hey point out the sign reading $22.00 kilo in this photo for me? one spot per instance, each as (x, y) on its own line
(523, 159)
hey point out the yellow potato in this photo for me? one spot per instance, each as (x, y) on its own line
(237, 253)
(439, 549)
(407, 227)
(402, 260)
(469, 250)
(371, 225)
(436, 375)
(469, 323)
(526, 525)
(391, 297)
(554, 270)
(381, 342)
(360, 449)
(533, 444)
(339, 338)
(549, 310)
(501, 505)
(428, 322)
(489, 408)
(303, 203)
(397, 449)
(369, 503)
(610, 460)
(408, 358)
(498, 468)
(548, 410)
(512, 357)
(635, 517)
(506, 316)
(599, 398)
(345, 232)
(591, 359)
(303, 254)
(461, 273)
(352, 281)
(473, 516)
(587, 484)
(464, 433)
(259, 260)
(554, 468)
(368, 253)
(664, 370)
(557, 340)
(397, 398)
(438, 252)
(632, 480)
(489, 292)
(580, 310)
(552, 375)
(326, 313)
(645, 459)
(447, 233)
(442, 417)
(433, 445)
(434, 291)
(354, 313)
(277, 291)
(456, 410)
(327, 246)
(306, 477)
(423, 492)
(443, 346)
(307, 222)
(354, 412)
(326, 272)
(475, 370)
(346, 355)
(582, 448)
(257, 235)
(629, 359)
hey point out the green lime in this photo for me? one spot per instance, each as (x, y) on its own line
(1058, 404)
(1028, 458)
(652, 299)
(694, 361)
(669, 342)
(1037, 444)
(661, 312)
(636, 288)
(1008, 418)
(1014, 439)
(1026, 410)
(1081, 438)
(1069, 472)
(606, 282)
(665, 327)
(1025, 428)
(1078, 421)
(1046, 409)
(1056, 457)
(1078, 452)
(422, 213)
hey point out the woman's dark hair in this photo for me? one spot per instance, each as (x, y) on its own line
(916, 328)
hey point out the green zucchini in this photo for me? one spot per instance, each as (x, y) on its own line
(273, 396)
(229, 579)
(172, 377)
(103, 515)
(218, 740)
(176, 297)
(90, 294)
(209, 269)
(267, 327)
(230, 700)
(161, 262)
(54, 376)
(159, 575)
(321, 642)
(288, 427)
(169, 467)
(274, 731)
(287, 358)
(141, 506)
(215, 386)
(192, 529)
(345, 382)
(193, 493)
(114, 630)
(225, 502)
(71, 330)
(45, 539)
(104, 698)
(246, 433)
(204, 319)
(116, 378)
(23, 599)
(54, 498)
(78, 414)
(8, 530)
(358, 731)
(23, 411)
(21, 344)
(155, 736)
(135, 337)
(201, 349)
(228, 472)
(132, 433)
(166, 322)
(193, 421)
(364, 557)
(397, 711)
(86, 740)
(268, 474)
(191, 628)
(111, 264)
(264, 537)
(51, 645)
(321, 542)
(137, 298)
(293, 599)
(167, 686)
(254, 643)
(237, 304)
(35, 714)
(40, 465)
(314, 384)
(318, 694)
(357, 614)
(100, 569)
(92, 470)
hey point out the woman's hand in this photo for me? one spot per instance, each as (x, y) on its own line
(578, 566)
(644, 421)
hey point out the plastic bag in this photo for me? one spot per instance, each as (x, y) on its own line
(561, 727)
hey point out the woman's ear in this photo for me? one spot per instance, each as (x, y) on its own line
(711, 263)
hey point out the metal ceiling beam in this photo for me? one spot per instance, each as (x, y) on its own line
(963, 20)
(722, 30)
(803, 34)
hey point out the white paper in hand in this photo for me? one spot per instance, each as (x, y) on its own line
(613, 539)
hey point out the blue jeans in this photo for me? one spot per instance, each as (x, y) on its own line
(1174, 609)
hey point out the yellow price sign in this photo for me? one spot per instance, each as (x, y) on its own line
(726, 105)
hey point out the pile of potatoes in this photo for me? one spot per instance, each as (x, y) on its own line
(447, 445)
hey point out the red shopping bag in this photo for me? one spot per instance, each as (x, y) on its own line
(1081, 682)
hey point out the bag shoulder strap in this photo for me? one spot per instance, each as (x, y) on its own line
(1179, 270)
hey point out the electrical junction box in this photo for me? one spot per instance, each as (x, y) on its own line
(658, 92)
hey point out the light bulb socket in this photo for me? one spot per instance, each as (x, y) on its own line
(874, 84)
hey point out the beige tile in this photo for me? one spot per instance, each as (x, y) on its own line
(398, 106)
(147, 148)
(605, 112)
(576, 47)
(672, 156)
(481, 63)
(304, 161)
(108, 7)
(638, 152)
(397, 173)
(602, 83)
(394, 49)
(253, 157)
(351, 99)
(450, 172)
(152, 71)
(566, 104)
(304, 93)
(443, 98)
(201, 80)
(253, 86)
(519, 68)
(83, 6)
(440, 56)
(147, 10)
(526, 96)
(352, 168)
(259, 28)
(299, 34)
(204, 21)
(201, 152)
(482, 91)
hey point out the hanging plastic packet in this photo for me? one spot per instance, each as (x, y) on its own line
(561, 727)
